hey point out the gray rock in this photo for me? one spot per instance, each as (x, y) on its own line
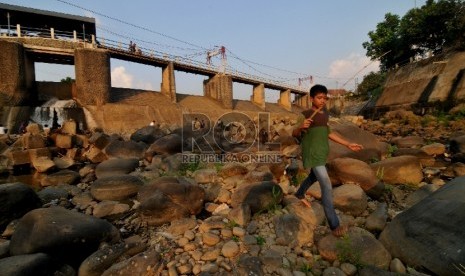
(169, 198)
(399, 170)
(350, 198)
(358, 247)
(61, 177)
(16, 200)
(333, 271)
(4, 249)
(248, 265)
(232, 169)
(148, 134)
(125, 149)
(146, 263)
(350, 170)
(117, 187)
(420, 194)
(377, 220)
(259, 196)
(372, 148)
(426, 235)
(457, 144)
(75, 235)
(51, 193)
(292, 231)
(39, 264)
(169, 144)
(116, 166)
(397, 266)
(102, 259)
(372, 270)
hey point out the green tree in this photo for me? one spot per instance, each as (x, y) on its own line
(432, 28)
(371, 83)
(386, 39)
(67, 79)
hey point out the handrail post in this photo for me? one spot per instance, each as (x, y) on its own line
(75, 36)
(52, 33)
(93, 40)
(18, 30)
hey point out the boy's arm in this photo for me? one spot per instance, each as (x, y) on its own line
(338, 139)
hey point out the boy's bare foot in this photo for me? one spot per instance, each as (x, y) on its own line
(305, 202)
(340, 231)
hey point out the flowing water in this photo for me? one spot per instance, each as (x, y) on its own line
(54, 112)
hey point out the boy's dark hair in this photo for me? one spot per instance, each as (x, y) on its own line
(317, 89)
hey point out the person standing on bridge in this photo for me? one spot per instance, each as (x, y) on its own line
(314, 132)
(132, 47)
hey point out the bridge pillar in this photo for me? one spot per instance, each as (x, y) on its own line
(285, 99)
(303, 101)
(258, 97)
(16, 74)
(93, 76)
(220, 88)
(168, 82)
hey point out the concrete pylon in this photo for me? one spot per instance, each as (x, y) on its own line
(17, 74)
(258, 97)
(168, 82)
(285, 99)
(220, 88)
(303, 101)
(93, 76)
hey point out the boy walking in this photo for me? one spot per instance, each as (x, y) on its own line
(314, 132)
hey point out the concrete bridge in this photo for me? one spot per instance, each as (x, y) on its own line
(92, 66)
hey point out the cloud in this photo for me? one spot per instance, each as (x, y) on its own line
(120, 78)
(144, 85)
(353, 66)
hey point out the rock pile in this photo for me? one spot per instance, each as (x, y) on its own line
(106, 205)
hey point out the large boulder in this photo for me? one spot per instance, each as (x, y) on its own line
(349, 170)
(372, 147)
(125, 149)
(102, 259)
(116, 166)
(169, 198)
(404, 169)
(148, 134)
(39, 264)
(16, 200)
(426, 160)
(430, 234)
(145, 263)
(292, 231)
(61, 233)
(457, 144)
(358, 247)
(166, 145)
(116, 187)
(232, 169)
(259, 196)
(61, 177)
(350, 198)
(411, 141)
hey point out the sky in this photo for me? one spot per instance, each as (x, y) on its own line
(272, 39)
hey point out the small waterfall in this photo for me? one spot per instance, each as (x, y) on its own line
(54, 112)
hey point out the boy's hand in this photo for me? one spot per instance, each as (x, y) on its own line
(306, 123)
(354, 146)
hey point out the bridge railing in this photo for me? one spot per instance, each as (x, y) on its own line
(140, 52)
(32, 32)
